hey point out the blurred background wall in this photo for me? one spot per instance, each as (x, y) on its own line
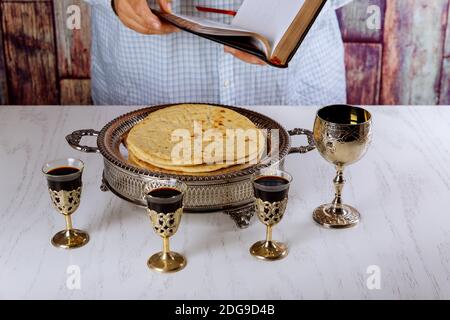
(405, 61)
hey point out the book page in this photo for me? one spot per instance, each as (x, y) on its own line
(269, 18)
(211, 24)
(205, 27)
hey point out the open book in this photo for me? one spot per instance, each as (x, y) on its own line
(272, 30)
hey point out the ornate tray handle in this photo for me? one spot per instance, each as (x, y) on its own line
(302, 149)
(75, 137)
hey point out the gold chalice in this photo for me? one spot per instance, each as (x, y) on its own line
(64, 185)
(342, 134)
(271, 197)
(165, 208)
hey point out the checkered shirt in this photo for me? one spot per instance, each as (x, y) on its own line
(129, 68)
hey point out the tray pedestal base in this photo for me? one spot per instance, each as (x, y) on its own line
(104, 186)
(242, 215)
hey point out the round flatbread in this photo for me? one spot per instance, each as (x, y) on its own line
(161, 162)
(176, 170)
(195, 135)
(201, 168)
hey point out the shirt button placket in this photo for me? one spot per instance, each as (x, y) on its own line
(226, 76)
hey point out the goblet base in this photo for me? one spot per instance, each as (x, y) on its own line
(326, 217)
(167, 262)
(269, 250)
(70, 239)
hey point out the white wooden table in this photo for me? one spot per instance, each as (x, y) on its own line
(401, 187)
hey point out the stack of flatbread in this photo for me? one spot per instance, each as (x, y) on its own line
(195, 139)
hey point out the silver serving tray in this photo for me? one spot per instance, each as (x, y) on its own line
(229, 189)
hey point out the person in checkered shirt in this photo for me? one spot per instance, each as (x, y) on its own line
(139, 60)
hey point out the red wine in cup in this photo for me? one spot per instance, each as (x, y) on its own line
(271, 188)
(58, 182)
(165, 200)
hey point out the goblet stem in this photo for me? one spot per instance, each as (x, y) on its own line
(68, 222)
(339, 182)
(166, 245)
(269, 233)
(268, 249)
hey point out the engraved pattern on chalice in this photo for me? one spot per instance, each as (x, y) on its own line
(165, 224)
(66, 202)
(270, 213)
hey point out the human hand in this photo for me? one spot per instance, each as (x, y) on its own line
(136, 15)
(244, 56)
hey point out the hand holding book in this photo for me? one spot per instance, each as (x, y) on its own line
(271, 30)
(136, 15)
(244, 56)
(269, 35)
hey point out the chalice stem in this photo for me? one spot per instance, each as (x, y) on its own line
(269, 234)
(339, 182)
(166, 246)
(68, 222)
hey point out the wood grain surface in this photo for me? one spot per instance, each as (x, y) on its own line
(76, 92)
(30, 52)
(353, 20)
(3, 75)
(363, 61)
(72, 44)
(444, 92)
(413, 51)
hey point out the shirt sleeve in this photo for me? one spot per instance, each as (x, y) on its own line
(336, 4)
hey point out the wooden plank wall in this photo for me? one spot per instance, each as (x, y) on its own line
(444, 94)
(405, 61)
(45, 62)
(73, 53)
(30, 52)
(3, 80)
(363, 50)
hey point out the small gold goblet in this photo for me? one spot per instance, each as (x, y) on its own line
(342, 134)
(165, 208)
(64, 185)
(271, 196)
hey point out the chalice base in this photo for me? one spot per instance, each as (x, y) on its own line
(70, 239)
(326, 217)
(269, 250)
(166, 262)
